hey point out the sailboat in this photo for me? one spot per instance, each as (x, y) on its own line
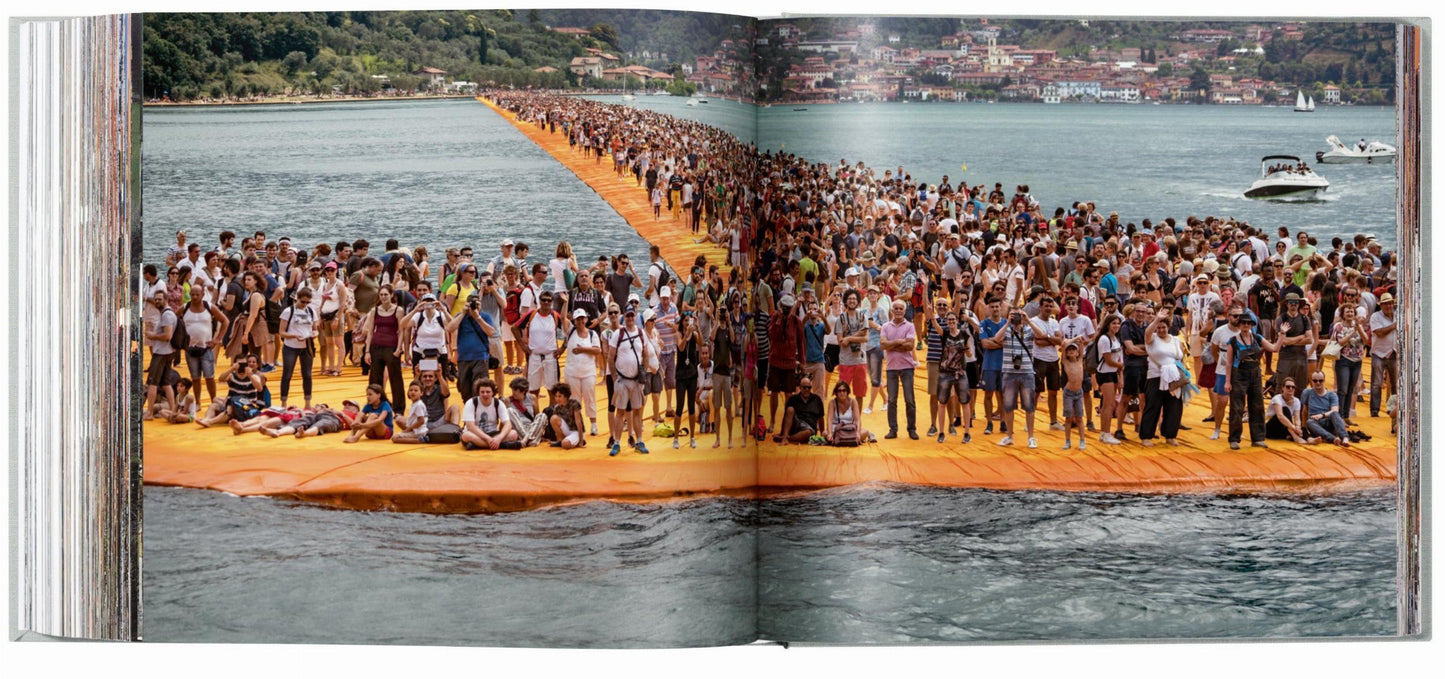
(1303, 104)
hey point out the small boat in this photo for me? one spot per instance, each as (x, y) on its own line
(629, 97)
(1363, 152)
(1303, 104)
(804, 108)
(692, 102)
(702, 100)
(1286, 183)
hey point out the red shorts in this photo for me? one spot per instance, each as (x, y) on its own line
(373, 434)
(856, 376)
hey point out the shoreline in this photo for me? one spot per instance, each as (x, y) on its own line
(292, 100)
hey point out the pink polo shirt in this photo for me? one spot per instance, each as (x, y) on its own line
(899, 360)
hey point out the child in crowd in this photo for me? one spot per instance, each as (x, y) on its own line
(1074, 394)
(412, 427)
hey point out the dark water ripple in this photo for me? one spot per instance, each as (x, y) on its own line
(221, 568)
(891, 564)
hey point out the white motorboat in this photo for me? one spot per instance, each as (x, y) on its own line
(1362, 152)
(692, 102)
(1286, 182)
(1303, 104)
(702, 100)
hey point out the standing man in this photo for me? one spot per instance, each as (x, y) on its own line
(538, 329)
(1019, 382)
(1297, 334)
(1047, 340)
(158, 336)
(627, 352)
(1134, 334)
(897, 338)
(785, 340)
(1384, 357)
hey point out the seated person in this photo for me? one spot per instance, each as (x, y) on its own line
(1322, 412)
(563, 417)
(522, 410)
(376, 417)
(184, 409)
(1282, 418)
(804, 412)
(248, 394)
(412, 428)
(434, 393)
(485, 423)
(323, 421)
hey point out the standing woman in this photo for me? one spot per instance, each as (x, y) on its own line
(687, 362)
(298, 327)
(1162, 409)
(335, 299)
(423, 266)
(382, 329)
(1350, 333)
(1245, 381)
(563, 268)
(1111, 361)
(583, 351)
(248, 333)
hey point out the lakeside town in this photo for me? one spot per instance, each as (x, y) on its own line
(795, 61)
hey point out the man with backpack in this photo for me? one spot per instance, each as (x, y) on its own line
(537, 330)
(159, 337)
(657, 276)
(628, 352)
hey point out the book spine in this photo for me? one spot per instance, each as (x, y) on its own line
(73, 327)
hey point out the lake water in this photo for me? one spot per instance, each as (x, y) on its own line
(876, 563)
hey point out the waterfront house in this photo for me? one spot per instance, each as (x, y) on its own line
(435, 76)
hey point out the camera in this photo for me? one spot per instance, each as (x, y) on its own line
(474, 302)
(1018, 362)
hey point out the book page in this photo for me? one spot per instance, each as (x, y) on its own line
(453, 373)
(1098, 371)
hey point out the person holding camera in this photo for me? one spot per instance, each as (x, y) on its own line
(1019, 382)
(424, 333)
(470, 335)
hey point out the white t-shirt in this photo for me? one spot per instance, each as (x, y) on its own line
(1292, 404)
(1107, 347)
(165, 319)
(431, 331)
(416, 419)
(1382, 345)
(1049, 352)
(630, 345)
(1074, 328)
(581, 366)
(542, 334)
(1200, 317)
(301, 321)
(558, 268)
(487, 417)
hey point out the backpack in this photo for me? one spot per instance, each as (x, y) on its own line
(180, 339)
(445, 432)
(662, 278)
(513, 311)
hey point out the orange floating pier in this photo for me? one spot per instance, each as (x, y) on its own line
(376, 475)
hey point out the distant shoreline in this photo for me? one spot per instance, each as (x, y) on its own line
(302, 100)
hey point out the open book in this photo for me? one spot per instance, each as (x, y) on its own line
(641, 328)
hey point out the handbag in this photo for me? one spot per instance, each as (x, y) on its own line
(1332, 350)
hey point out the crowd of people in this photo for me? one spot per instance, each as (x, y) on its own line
(830, 286)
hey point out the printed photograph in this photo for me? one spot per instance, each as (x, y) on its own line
(637, 328)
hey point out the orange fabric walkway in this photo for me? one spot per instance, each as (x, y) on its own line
(436, 478)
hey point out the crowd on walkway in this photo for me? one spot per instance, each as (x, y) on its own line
(831, 285)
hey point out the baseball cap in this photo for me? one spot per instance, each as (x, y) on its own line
(579, 313)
